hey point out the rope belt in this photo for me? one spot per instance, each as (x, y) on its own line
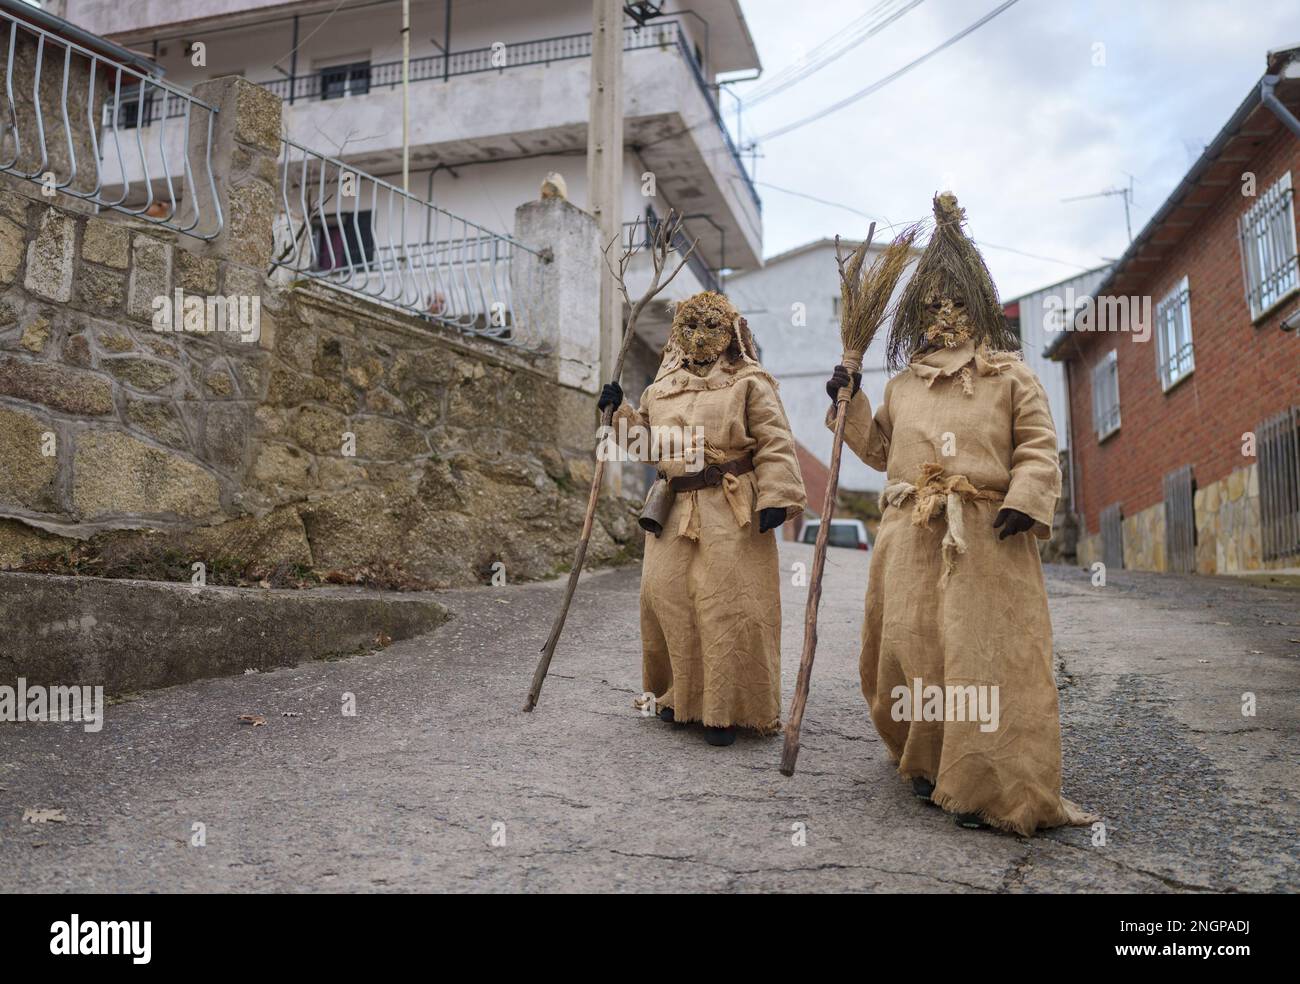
(937, 494)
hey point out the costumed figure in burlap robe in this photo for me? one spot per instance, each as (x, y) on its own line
(710, 583)
(956, 659)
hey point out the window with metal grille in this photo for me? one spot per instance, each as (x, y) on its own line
(338, 81)
(1180, 521)
(1278, 444)
(132, 110)
(1268, 248)
(1174, 336)
(345, 246)
(1105, 395)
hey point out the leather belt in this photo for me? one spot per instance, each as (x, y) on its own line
(712, 475)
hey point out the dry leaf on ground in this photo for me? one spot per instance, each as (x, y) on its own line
(43, 815)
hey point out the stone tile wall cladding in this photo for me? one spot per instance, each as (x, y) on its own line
(1144, 539)
(1227, 531)
(117, 440)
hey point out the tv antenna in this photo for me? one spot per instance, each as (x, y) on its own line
(1125, 193)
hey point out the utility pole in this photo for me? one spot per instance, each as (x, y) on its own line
(406, 98)
(605, 176)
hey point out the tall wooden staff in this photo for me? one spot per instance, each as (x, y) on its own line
(864, 301)
(661, 246)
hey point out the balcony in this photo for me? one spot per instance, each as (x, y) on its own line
(514, 102)
(348, 81)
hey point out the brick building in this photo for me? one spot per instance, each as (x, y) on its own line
(1184, 372)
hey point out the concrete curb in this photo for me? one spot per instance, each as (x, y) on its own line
(129, 636)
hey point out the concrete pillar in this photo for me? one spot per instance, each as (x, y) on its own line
(244, 150)
(559, 292)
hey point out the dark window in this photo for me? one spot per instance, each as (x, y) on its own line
(843, 536)
(336, 244)
(128, 110)
(338, 81)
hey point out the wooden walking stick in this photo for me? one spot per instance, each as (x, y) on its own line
(661, 245)
(864, 301)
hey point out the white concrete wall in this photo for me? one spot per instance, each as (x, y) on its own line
(370, 32)
(504, 115)
(801, 358)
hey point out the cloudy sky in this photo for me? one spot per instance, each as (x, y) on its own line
(1015, 117)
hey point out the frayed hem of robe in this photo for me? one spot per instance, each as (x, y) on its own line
(1071, 814)
(762, 730)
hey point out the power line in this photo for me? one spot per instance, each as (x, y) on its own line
(805, 58)
(795, 73)
(314, 30)
(827, 52)
(889, 225)
(881, 83)
(823, 201)
(1032, 256)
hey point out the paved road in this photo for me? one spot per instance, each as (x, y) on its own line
(440, 783)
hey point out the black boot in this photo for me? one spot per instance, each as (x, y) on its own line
(968, 821)
(922, 788)
(666, 715)
(720, 736)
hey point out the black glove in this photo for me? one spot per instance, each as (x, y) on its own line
(839, 379)
(610, 396)
(1012, 521)
(770, 518)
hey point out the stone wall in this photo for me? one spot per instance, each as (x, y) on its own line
(1228, 534)
(1144, 540)
(1228, 524)
(346, 435)
(347, 441)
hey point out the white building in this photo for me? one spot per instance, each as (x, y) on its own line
(792, 305)
(1042, 317)
(498, 99)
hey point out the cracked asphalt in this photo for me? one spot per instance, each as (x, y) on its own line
(440, 782)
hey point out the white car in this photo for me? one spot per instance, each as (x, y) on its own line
(849, 533)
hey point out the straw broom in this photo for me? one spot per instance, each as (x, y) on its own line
(865, 294)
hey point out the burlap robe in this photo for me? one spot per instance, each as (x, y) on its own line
(960, 435)
(710, 585)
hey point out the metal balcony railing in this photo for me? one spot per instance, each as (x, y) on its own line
(361, 78)
(71, 126)
(362, 235)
